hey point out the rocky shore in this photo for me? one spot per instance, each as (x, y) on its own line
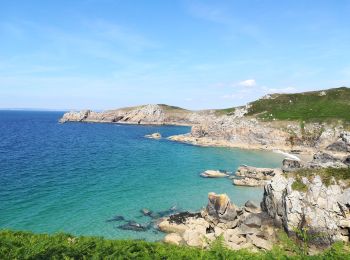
(311, 197)
(309, 194)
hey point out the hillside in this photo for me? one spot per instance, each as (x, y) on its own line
(309, 106)
(315, 106)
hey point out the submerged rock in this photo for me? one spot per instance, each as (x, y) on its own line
(116, 218)
(134, 226)
(146, 212)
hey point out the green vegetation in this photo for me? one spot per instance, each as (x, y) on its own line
(23, 245)
(328, 105)
(327, 175)
(172, 108)
(299, 185)
(225, 111)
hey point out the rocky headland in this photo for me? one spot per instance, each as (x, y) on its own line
(308, 196)
(300, 123)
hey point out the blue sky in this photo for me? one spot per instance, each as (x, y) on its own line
(104, 54)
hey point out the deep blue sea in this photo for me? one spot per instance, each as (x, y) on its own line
(73, 177)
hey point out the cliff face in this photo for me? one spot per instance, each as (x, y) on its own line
(148, 114)
(322, 210)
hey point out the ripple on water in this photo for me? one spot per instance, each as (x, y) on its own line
(73, 177)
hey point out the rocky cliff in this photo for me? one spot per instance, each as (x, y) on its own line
(302, 122)
(323, 210)
(147, 114)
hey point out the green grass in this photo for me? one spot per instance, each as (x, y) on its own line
(299, 185)
(24, 245)
(308, 106)
(225, 111)
(326, 175)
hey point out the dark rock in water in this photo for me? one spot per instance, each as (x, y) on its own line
(180, 218)
(164, 213)
(146, 212)
(116, 218)
(134, 226)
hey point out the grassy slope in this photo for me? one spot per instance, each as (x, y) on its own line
(308, 106)
(23, 245)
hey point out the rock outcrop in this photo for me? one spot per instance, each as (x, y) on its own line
(342, 144)
(240, 228)
(214, 174)
(322, 210)
(327, 160)
(253, 176)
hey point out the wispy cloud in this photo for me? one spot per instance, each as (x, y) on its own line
(247, 83)
(220, 14)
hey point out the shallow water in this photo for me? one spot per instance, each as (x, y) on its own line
(73, 177)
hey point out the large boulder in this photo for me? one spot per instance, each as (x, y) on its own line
(220, 207)
(173, 238)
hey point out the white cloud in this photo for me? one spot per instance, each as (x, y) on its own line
(247, 83)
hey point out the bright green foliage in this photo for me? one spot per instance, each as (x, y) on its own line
(23, 245)
(308, 106)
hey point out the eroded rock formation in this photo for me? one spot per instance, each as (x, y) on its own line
(322, 210)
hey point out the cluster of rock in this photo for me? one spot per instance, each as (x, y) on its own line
(253, 176)
(322, 210)
(246, 227)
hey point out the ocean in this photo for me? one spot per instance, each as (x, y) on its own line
(74, 177)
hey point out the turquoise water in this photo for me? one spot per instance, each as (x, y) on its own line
(73, 177)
